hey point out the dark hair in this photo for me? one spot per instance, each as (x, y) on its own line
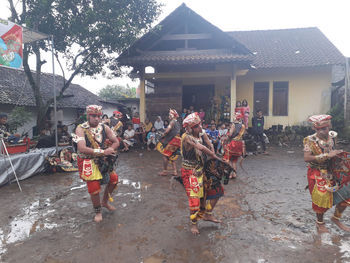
(258, 110)
(244, 102)
(104, 115)
(3, 115)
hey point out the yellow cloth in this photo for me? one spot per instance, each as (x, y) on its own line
(322, 199)
(197, 186)
(148, 127)
(90, 171)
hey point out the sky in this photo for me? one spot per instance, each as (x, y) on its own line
(330, 16)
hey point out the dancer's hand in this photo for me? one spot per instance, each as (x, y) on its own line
(109, 151)
(334, 153)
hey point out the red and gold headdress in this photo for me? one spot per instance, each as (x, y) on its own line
(320, 121)
(237, 116)
(94, 109)
(173, 114)
(191, 120)
(117, 114)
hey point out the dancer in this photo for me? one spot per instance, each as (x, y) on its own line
(192, 172)
(327, 187)
(170, 143)
(234, 147)
(95, 159)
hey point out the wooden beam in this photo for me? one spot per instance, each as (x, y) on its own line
(186, 36)
(233, 90)
(182, 75)
(142, 97)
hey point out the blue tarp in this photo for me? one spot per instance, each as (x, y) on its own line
(25, 164)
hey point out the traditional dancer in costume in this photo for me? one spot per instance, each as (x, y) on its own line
(170, 143)
(234, 147)
(192, 173)
(326, 178)
(95, 159)
(116, 123)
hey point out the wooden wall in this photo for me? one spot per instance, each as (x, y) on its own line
(168, 94)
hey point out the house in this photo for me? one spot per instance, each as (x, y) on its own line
(286, 73)
(16, 91)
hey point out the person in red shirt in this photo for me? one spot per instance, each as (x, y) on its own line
(136, 121)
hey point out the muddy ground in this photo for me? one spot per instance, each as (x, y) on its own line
(266, 215)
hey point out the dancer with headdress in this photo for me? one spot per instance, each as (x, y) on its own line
(170, 143)
(234, 148)
(328, 172)
(199, 186)
(97, 146)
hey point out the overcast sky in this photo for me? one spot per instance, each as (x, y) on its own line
(330, 16)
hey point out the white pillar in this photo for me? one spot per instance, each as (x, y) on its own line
(233, 87)
(142, 98)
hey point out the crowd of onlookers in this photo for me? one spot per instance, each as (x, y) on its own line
(147, 134)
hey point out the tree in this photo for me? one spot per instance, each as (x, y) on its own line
(115, 92)
(87, 33)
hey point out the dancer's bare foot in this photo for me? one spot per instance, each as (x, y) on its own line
(321, 228)
(163, 173)
(194, 229)
(98, 217)
(109, 206)
(233, 175)
(211, 218)
(340, 224)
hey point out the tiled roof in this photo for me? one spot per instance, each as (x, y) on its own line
(186, 57)
(229, 50)
(300, 47)
(15, 90)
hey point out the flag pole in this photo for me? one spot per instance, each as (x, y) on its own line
(54, 93)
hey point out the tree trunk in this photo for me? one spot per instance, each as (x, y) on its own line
(41, 107)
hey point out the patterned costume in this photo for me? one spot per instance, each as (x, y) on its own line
(95, 170)
(235, 146)
(171, 142)
(116, 124)
(328, 181)
(192, 175)
(200, 178)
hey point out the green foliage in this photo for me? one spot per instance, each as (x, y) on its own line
(18, 117)
(115, 92)
(337, 113)
(89, 33)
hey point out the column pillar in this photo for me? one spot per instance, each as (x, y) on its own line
(233, 88)
(142, 97)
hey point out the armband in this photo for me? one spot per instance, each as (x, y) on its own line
(76, 138)
(322, 157)
(98, 152)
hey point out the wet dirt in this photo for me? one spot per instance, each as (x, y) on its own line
(266, 214)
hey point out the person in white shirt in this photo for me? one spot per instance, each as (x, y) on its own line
(159, 124)
(129, 139)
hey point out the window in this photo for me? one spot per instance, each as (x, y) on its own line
(280, 98)
(261, 97)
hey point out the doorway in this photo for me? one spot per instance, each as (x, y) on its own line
(198, 96)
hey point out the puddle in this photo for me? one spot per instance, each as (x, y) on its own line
(78, 187)
(31, 221)
(135, 185)
(344, 248)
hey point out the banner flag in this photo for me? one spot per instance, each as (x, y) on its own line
(11, 39)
